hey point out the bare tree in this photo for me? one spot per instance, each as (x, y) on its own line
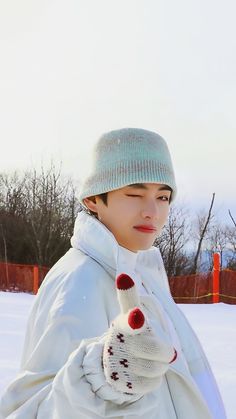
(203, 225)
(12, 193)
(217, 242)
(38, 211)
(173, 240)
(232, 218)
(231, 239)
(51, 213)
(12, 211)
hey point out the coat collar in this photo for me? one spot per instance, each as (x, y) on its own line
(95, 240)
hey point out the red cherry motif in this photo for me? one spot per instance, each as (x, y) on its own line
(124, 282)
(136, 318)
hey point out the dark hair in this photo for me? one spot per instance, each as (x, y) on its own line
(104, 195)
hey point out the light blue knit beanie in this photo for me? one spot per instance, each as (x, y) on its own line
(126, 156)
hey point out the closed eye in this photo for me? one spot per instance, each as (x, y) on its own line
(133, 195)
(162, 198)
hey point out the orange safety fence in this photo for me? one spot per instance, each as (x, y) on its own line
(228, 286)
(186, 289)
(21, 278)
(199, 288)
(192, 288)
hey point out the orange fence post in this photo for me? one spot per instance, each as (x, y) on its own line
(216, 278)
(36, 280)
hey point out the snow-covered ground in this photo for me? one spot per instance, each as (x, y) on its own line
(215, 326)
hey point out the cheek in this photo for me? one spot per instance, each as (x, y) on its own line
(126, 209)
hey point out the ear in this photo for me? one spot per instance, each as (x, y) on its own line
(91, 203)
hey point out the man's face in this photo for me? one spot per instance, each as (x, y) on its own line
(135, 214)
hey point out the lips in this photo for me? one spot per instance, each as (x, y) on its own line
(146, 229)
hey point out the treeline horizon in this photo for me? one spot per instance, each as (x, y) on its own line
(38, 209)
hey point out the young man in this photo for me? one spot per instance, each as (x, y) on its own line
(105, 338)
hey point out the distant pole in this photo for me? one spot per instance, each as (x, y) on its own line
(36, 280)
(216, 278)
(6, 261)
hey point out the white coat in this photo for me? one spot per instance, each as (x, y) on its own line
(61, 375)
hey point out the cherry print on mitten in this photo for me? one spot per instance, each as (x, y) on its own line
(134, 359)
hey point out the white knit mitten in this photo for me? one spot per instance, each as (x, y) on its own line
(134, 359)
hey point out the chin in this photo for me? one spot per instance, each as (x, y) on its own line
(145, 247)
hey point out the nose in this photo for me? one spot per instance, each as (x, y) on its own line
(150, 210)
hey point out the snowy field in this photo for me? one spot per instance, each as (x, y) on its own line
(215, 326)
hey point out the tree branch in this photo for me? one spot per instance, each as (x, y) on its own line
(232, 218)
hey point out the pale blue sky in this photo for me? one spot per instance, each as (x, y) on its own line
(73, 69)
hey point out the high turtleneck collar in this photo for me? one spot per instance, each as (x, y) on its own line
(94, 239)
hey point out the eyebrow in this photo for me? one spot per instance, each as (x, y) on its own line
(142, 186)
